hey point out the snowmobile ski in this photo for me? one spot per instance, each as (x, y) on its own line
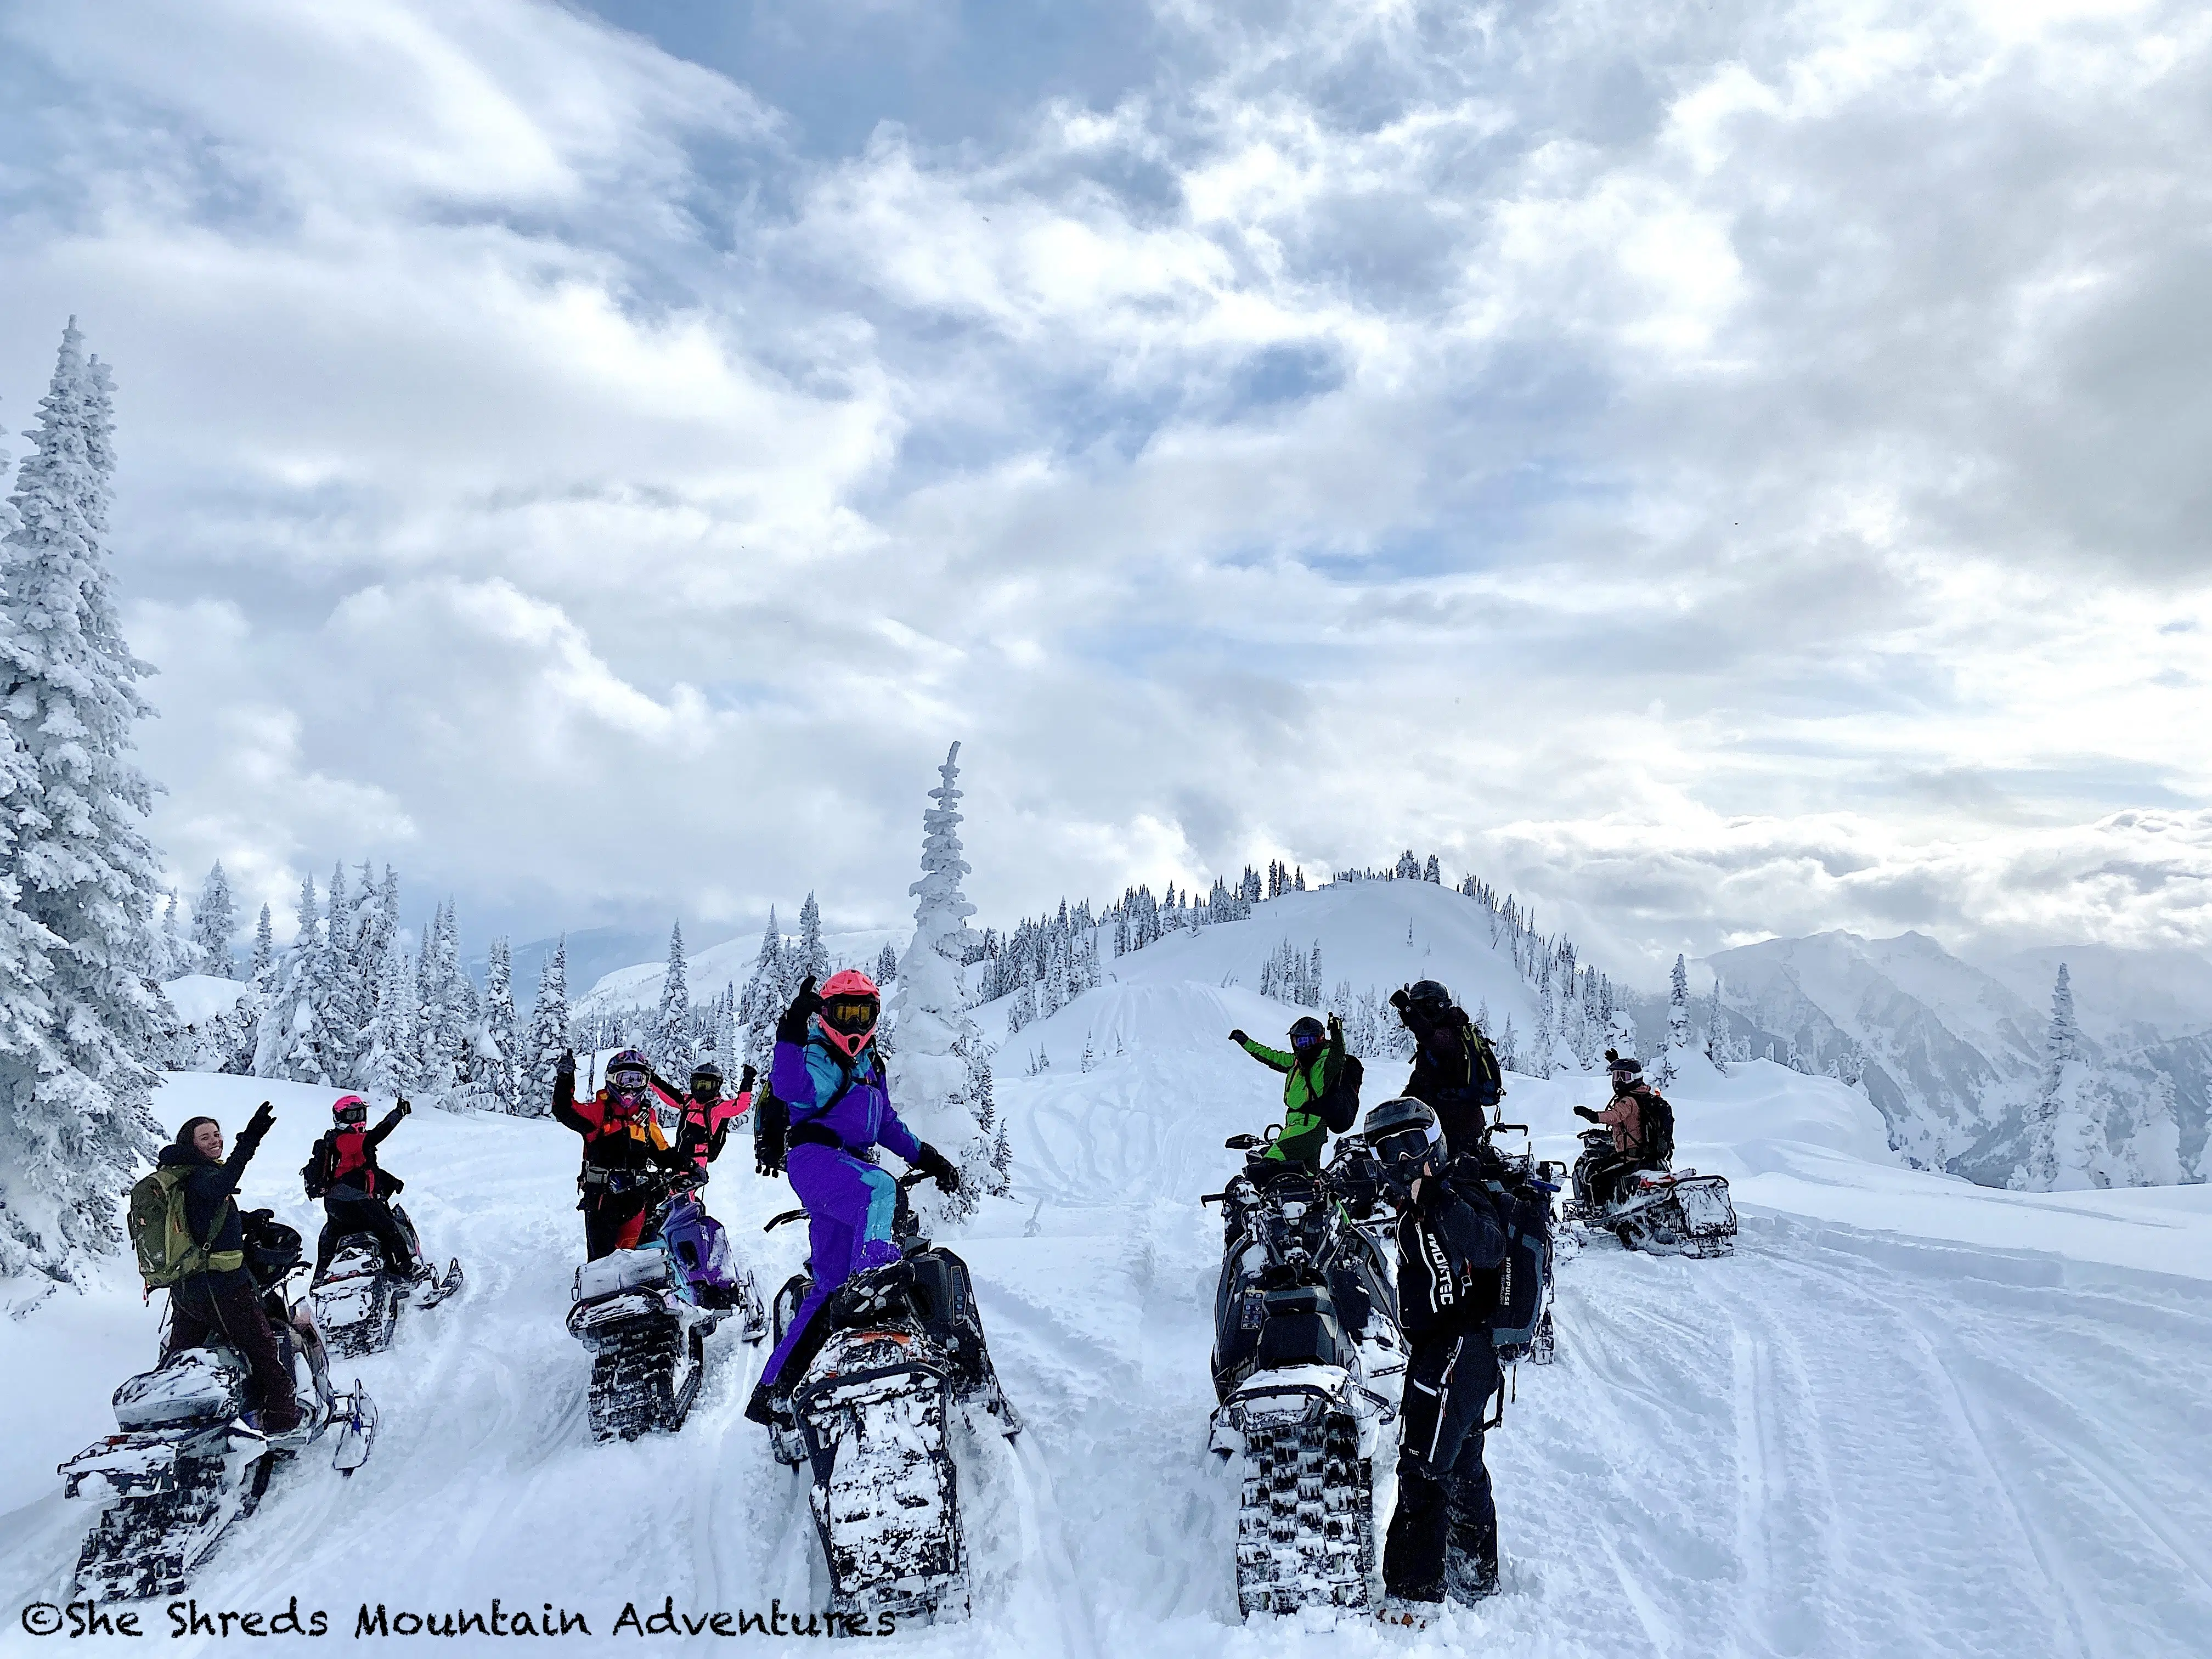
(438, 1287)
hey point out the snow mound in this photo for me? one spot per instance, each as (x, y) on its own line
(198, 997)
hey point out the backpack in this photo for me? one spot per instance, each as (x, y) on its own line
(1658, 1122)
(1339, 1105)
(1485, 1082)
(315, 1173)
(162, 1235)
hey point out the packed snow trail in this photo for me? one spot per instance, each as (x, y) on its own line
(1838, 1442)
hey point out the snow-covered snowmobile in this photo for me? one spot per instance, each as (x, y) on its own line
(358, 1302)
(1307, 1360)
(189, 1460)
(646, 1313)
(905, 1344)
(1659, 1211)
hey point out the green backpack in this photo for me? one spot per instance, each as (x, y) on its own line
(167, 1252)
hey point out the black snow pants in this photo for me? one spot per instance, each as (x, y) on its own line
(204, 1308)
(1608, 1177)
(1443, 1535)
(350, 1211)
(612, 1221)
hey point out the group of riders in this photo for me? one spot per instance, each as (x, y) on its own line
(1431, 1143)
(826, 1113)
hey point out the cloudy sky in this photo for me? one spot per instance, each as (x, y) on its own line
(1719, 470)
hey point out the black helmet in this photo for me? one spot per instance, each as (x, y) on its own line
(1307, 1033)
(1404, 1134)
(1623, 1066)
(710, 1070)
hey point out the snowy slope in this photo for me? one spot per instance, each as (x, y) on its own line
(1910, 1417)
(730, 963)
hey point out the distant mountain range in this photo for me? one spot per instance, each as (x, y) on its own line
(1954, 1055)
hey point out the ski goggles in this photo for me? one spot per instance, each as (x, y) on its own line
(851, 1015)
(1402, 1152)
(352, 1116)
(628, 1081)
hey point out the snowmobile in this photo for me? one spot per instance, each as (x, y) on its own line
(358, 1302)
(1307, 1358)
(905, 1344)
(646, 1313)
(190, 1459)
(1659, 1211)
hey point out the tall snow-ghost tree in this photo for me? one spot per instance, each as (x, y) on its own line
(761, 1002)
(1678, 1024)
(75, 1081)
(668, 1047)
(548, 1032)
(812, 959)
(942, 1075)
(291, 1042)
(503, 1037)
(214, 924)
(264, 970)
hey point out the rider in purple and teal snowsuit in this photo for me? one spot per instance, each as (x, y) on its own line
(827, 1081)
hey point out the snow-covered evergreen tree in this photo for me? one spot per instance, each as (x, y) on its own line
(502, 1035)
(811, 957)
(1678, 1026)
(670, 1045)
(173, 951)
(762, 1001)
(389, 1064)
(214, 924)
(264, 970)
(290, 1042)
(548, 1031)
(932, 1083)
(886, 966)
(1431, 872)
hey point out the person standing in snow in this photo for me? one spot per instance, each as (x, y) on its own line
(1321, 1088)
(1630, 1115)
(222, 1302)
(355, 1190)
(1455, 1069)
(623, 1149)
(1443, 1539)
(706, 1116)
(828, 1076)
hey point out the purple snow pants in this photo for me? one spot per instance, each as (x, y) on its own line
(849, 1206)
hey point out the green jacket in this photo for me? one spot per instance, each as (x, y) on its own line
(1305, 1135)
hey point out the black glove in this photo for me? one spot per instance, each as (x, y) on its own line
(405, 1109)
(791, 1028)
(771, 1118)
(746, 1086)
(938, 1168)
(1584, 1111)
(257, 1125)
(1238, 1037)
(566, 1065)
(1399, 997)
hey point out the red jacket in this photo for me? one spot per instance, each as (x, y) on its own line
(615, 1138)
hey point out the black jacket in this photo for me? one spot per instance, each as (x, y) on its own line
(1455, 1073)
(208, 1202)
(1449, 1249)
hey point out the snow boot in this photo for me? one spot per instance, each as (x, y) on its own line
(770, 1409)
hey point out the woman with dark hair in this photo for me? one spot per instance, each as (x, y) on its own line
(221, 1302)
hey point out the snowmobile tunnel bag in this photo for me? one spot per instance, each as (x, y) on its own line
(624, 1270)
(198, 1384)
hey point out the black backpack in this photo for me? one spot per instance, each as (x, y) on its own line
(315, 1173)
(1339, 1105)
(1658, 1130)
(1486, 1083)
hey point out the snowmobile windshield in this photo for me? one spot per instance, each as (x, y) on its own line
(852, 1015)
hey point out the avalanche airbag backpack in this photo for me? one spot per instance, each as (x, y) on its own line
(1522, 1274)
(1658, 1125)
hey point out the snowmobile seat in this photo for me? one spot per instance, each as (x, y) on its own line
(621, 1270)
(198, 1384)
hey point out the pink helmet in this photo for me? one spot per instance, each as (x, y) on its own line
(851, 1004)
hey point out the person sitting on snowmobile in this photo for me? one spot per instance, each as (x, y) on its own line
(1443, 1535)
(355, 1190)
(707, 1117)
(1627, 1114)
(1455, 1069)
(623, 1147)
(828, 1076)
(1321, 1088)
(222, 1302)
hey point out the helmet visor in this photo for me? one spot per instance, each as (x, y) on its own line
(852, 1015)
(1402, 1152)
(628, 1080)
(353, 1113)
